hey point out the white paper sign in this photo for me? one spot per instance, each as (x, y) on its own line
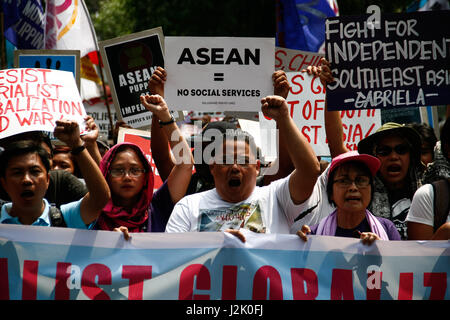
(218, 73)
(295, 60)
(33, 99)
(306, 102)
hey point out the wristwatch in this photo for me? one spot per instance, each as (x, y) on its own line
(164, 123)
(78, 150)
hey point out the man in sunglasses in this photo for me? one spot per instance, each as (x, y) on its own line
(398, 148)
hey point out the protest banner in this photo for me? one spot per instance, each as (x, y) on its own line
(306, 101)
(62, 263)
(65, 60)
(218, 73)
(143, 139)
(33, 99)
(291, 60)
(129, 63)
(401, 62)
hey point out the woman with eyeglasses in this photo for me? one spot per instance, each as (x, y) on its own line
(134, 207)
(397, 147)
(349, 190)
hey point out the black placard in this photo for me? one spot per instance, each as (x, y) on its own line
(404, 63)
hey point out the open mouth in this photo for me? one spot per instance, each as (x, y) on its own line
(234, 182)
(27, 194)
(395, 168)
(353, 199)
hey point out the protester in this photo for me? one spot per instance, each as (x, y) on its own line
(428, 138)
(236, 202)
(63, 187)
(24, 174)
(398, 149)
(429, 215)
(133, 206)
(64, 160)
(349, 190)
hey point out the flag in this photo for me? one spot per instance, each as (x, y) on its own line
(301, 23)
(24, 23)
(69, 27)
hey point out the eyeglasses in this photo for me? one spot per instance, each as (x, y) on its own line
(360, 182)
(384, 151)
(133, 172)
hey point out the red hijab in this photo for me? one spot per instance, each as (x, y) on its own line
(113, 216)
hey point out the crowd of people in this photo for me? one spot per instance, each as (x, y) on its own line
(395, 187)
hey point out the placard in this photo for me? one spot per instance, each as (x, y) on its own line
(129, 63)
(33, 99)
(218, 73)
(403, 63)
(306, 101)
(291, 60)
(65, 60)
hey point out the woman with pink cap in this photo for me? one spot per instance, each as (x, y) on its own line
(349, 189)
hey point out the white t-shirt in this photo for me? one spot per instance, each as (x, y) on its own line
(268, 209)
(316, 207)
(422, 206)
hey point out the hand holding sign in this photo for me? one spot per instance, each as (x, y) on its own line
(157, 81)
(323, 72)
(281, 84)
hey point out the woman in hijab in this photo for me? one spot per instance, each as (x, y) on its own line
(133, 206)
(350, 189)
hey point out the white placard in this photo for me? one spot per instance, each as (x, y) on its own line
(33, 99)
(218, 73)
(306, 102)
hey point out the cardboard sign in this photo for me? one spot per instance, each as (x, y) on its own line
(306, 102)
(98, 110)
(403, 63)
(218, 74)
(65, 60)
(142, 139)
(291, 60)
(129, 63)
(33, 99)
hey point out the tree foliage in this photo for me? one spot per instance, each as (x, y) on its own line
(245, 18)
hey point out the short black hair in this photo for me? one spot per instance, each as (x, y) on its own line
(23, 147)
(36, 136)
(359, 165)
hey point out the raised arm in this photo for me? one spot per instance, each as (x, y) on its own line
(333, 122)
(90, 139)
(160, 144)
(180, 176)
(281, 88)
(307, 167)
(99, 194)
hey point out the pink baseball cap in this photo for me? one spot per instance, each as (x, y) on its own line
(370, 161)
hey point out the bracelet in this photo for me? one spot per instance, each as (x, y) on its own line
(77, 150)
(164, 123)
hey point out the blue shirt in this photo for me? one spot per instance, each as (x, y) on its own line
(70, 211)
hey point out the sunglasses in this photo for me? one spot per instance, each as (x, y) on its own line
(384, 151)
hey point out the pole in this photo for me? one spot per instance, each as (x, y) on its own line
(100, 65)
